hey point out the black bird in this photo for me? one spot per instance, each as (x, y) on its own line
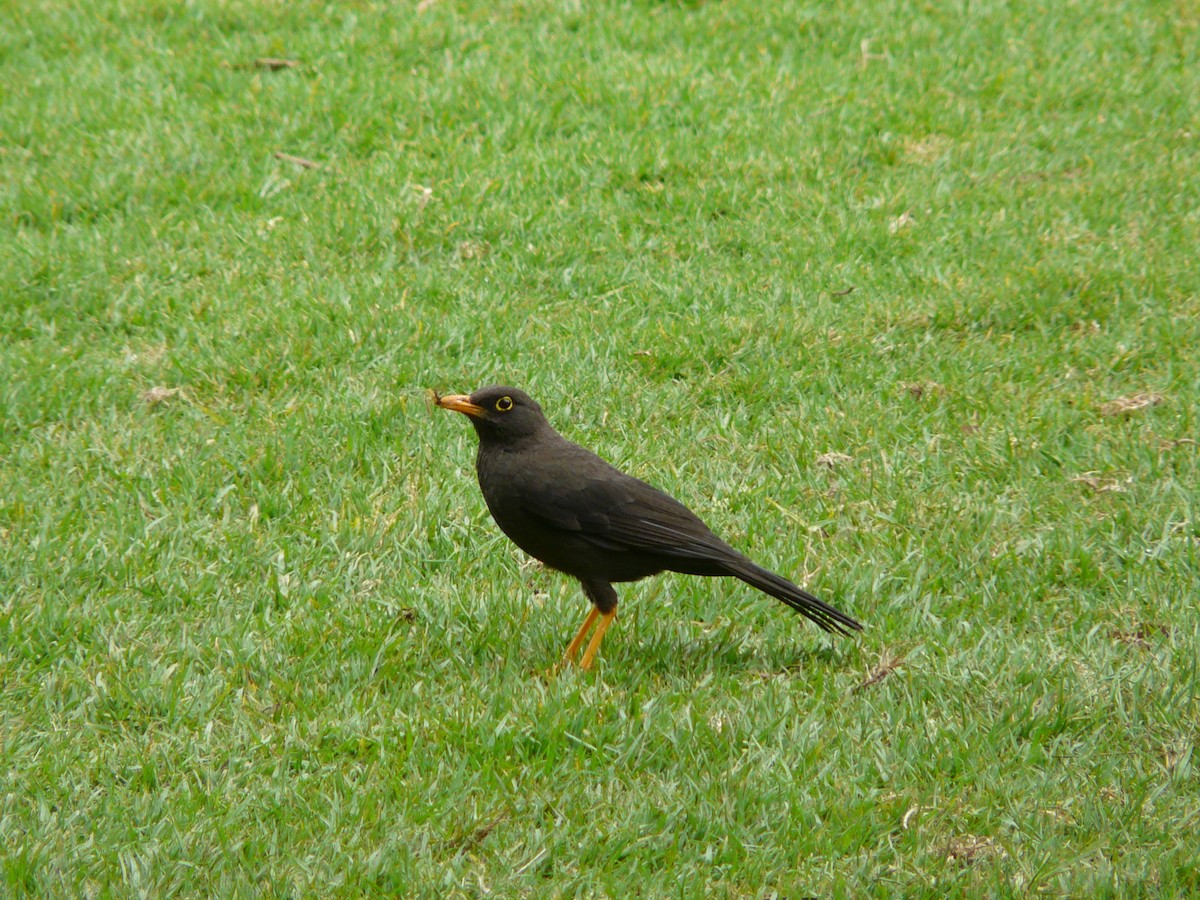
(566, 506)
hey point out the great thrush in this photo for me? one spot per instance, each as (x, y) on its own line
(570, 509)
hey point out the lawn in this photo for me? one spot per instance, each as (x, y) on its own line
(903, 299)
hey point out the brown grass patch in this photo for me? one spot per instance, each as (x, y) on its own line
(1124, 406)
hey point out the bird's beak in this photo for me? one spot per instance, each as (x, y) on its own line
(459, 403)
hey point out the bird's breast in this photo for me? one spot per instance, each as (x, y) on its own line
(529, 494)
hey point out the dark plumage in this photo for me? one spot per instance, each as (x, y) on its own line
(570, 509)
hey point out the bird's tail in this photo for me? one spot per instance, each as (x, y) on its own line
(828, 617)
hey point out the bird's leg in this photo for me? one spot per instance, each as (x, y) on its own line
(577, 642)
(604, 605)
(590, 654)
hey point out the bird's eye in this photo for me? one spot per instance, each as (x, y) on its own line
(504, 404)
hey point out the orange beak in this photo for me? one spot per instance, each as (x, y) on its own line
(459, 403)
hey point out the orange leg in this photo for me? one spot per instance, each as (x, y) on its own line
(573, 647)
(606, 619)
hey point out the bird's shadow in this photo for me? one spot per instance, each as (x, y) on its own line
(728, 655)
(730, 642)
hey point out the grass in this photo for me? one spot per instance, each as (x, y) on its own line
(258, 634)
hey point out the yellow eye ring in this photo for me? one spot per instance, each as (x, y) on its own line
(504, 404)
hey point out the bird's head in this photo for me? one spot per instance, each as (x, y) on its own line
(500, 414)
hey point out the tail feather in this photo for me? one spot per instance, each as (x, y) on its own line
(827, 617)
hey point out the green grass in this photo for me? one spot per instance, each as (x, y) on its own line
(258, 634)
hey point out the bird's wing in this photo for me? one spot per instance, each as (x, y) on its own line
(618, 512)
